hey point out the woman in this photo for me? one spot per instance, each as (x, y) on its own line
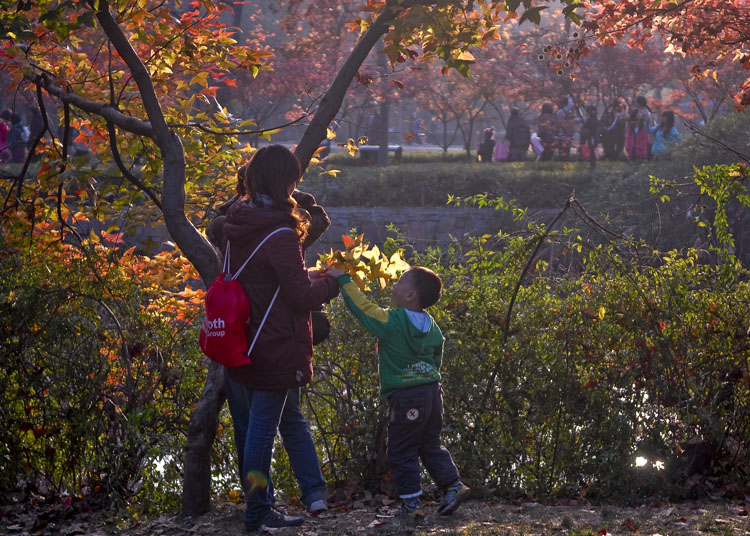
(613, 139)
(637, 144)
(665, 135)
(547, 128)
(264, 396)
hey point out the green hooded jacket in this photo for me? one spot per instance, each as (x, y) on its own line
(407, 356)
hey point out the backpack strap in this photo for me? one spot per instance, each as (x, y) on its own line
(278, 288)
(255, 337)
(237, 273)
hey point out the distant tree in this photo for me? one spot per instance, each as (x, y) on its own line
(707, 30)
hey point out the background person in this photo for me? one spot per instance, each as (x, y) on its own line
(589, 138)
(636, 136)
(5, 116)
(613, 133)
(18, 136)
(487, 147)
(566, 122)
(547, 128)
(665, 135)
(518, 134)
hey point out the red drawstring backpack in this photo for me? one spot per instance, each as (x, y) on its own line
(223, 335)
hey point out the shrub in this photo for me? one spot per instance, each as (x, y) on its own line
(100, 371)
(615, 360)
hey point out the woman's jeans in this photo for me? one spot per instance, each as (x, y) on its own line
(257, 416)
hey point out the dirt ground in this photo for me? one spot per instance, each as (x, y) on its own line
(473, 518)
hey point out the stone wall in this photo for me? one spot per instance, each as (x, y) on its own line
(422, 227)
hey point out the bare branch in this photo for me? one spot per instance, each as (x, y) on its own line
(331, 101)
(692, 126)
(125, 171)
(106, 111)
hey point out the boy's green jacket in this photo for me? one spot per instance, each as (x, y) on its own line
(407, 356)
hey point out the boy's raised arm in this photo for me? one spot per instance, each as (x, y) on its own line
(374, 318)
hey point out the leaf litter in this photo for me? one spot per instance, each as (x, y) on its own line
(371, 517)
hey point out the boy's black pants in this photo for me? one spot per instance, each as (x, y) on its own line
(415, 422)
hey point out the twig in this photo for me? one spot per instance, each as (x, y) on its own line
(506, 329)
(692, 126)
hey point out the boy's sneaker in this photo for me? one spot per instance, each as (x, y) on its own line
(409, 515)
(455, 494)
(317, 507)
(275, 519)
(410, 507)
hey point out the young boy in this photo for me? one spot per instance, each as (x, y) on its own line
(410, 351)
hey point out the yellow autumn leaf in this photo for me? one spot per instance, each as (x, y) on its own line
(268, 133)
(602, 312)
(351, 147)
(466, 56)
(200, 78)
(330, 134)
(397, 263)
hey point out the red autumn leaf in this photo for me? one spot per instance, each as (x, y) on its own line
(630, 525)
(348, 241)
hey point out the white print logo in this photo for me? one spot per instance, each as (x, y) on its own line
(419, 368)
(216, 324)
(412, 414)
(299, 375)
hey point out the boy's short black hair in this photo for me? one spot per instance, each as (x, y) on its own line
(427, 284)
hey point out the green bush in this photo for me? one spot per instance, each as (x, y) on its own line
(616, 361)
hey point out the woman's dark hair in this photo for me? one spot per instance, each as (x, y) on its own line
(640, 100)
(488, 132)
(547, 108)
(668, 115)
(271, 171)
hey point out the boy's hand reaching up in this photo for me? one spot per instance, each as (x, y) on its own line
(334, 272)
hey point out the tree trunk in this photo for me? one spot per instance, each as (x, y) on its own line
(196, 490)
(204, 419)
